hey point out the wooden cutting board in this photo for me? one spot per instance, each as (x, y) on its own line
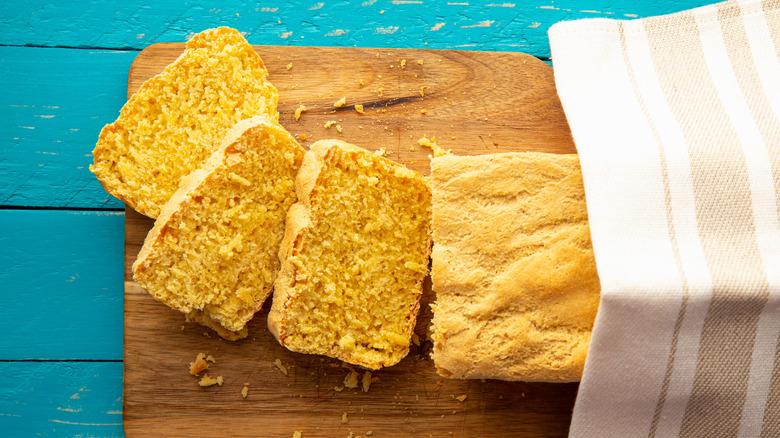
(473, 103)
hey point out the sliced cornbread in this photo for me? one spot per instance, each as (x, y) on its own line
(513, 268)
(354, 255)
(213, 250)
(179, 117)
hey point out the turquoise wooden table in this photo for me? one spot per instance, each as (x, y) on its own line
(63, 75)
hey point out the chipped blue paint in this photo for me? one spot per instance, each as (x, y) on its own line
(64, 399)
(62, 285)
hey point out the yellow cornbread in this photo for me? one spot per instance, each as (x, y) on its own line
(179, 117)
(513, 268)
(213, 250)
(354, 255)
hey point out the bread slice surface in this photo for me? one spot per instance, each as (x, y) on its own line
(212, 252)
(513, 267)
(179, 117)
(354, 256)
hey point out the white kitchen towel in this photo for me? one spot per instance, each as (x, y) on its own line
(677, 123)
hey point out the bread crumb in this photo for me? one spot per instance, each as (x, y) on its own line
(423, 111)
(303, 137)
(359, 109)
(344, 419)
(289, 66)
(361, 82)
(199, 365)
(338, 128)
(281, 366)
(461, 398)
(403, 63)
(297, 434)
(299, 111)
(352, 435)
(422, 91)
(420, 61)
(206, 380)
(381, 152)
(415, 339)
(338, 388)
(431, 144)
(329, 123)
(339, 103)
(351, 380)
(245, 390)
(411, 148)
(206, 334)
(369, 432)
(380, 91)
(366, 381)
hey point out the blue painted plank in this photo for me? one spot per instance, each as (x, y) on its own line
(479, 25)
(52, 106)
(61, 399)
(62, 284)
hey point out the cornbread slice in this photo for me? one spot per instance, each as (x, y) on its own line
(513, 268)
(354, 255)
(179, 117)
(213, 250)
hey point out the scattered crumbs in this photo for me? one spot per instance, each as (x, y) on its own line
(289, 66)
(377, 56)
(351, 435)
(199, 365)
(182, 328)
(380, 91)
(411, 149)
(403, 63)
(381, 152)
(278, 21)
(338, 388)
(422, 90)
(339, 103)
(206, 380)
(442, 415)
(303, 137)
(211, 359)
(297, 434)
(431, 143)
(461, 398)
(379, 76)
(369, 432)
(423, 111)
(299, 111)
(452, 137)
(359, 109)
(206, 334)
(454, 411)
(366, 381)
(381, 12)
(344, 419)
(415, 338)
(329, 123)
(420, 61)
(351, 380)
(245, 390)
(391, 66)
(361, 82)
(281, 366)
(237, 14)
(338, 128)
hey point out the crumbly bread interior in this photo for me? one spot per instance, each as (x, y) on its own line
(213, 250)
(513, 268)
(355, 254)
(179, 117)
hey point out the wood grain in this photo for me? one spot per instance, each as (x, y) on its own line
(475, 103)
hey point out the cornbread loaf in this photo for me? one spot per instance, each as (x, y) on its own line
(179, 117)
(513, 268)
(213, 250)
(354, 255)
